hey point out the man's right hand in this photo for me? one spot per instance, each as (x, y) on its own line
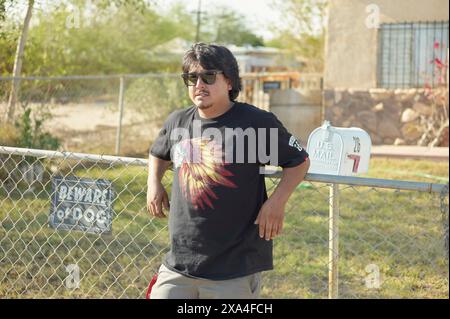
(157, 198)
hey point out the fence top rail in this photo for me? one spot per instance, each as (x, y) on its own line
(379, 183)
(114, 160)
(321, 178)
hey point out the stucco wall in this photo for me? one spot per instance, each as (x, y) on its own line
(351, 47)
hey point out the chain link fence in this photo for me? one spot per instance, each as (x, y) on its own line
(344, 237)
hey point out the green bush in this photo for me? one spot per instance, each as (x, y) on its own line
(30, 133)
(27, 132)
(156, 98)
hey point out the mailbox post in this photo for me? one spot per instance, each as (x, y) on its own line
(333, 247)
(337, 151)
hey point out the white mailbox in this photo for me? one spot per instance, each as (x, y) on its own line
(338, 150)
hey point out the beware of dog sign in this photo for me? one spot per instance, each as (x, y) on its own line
(82, 204)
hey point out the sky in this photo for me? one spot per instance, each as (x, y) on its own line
(258, 13)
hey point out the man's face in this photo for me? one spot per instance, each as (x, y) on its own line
(205, 95)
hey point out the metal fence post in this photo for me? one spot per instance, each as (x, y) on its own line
(119, 124)
(333, 244)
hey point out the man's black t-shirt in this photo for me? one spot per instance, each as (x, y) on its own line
(216, 198)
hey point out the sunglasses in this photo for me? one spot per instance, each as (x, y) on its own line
(208, 77)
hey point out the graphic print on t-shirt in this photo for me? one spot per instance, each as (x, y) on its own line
(200, 167)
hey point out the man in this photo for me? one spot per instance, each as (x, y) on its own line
(221, 222)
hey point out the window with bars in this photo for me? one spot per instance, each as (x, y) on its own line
(408, 53)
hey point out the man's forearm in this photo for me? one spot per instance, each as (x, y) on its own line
(156, 168)
(290, 178)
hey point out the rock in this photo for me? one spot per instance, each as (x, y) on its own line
(422, 108)
(388, 128)
(337, 111)
(407, 104)
(328, 94)
(399, 141)
(361, 95)
(380, 94)
(349, 122)
(329, 103)
(399, 92)
(345, 103)
(378, 108)
(409, 115)
(361, 103)
(392, 110)
(411, 132)
(376, 140)
(329, 114)
(420, 90)
(353, 91)
(368, 120)
(444, 141)
(337, 97)
(398, 106)
(404, 95)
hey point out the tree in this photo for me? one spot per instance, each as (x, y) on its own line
(91, 39)
(303, 31)
(18, 62)
(2, 10)
(232, 29)
(9, 33)
(226, 26)
(54, 47)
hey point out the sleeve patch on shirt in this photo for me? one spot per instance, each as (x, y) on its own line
(294, 143)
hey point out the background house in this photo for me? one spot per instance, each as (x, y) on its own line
(396, 54)
(386, 68)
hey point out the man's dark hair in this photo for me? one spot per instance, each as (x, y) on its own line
(215, 57)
